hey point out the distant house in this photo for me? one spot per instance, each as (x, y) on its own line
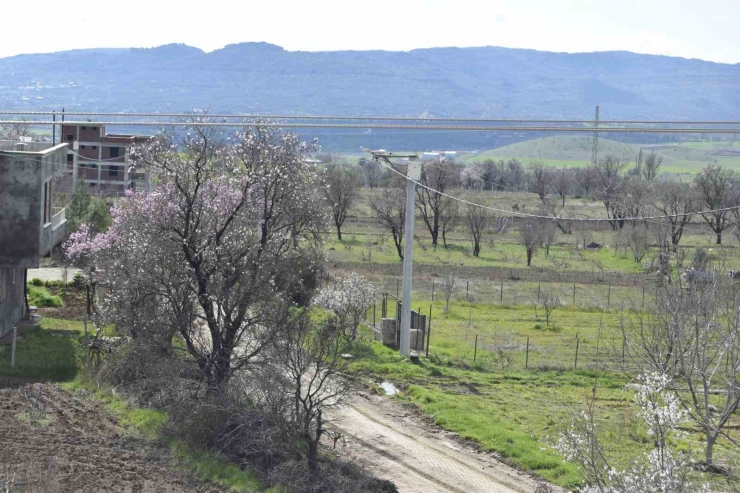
(30, 225)
(102, 160)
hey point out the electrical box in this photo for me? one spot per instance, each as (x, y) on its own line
(414, 170)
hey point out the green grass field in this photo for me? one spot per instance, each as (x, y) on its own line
(681, 158)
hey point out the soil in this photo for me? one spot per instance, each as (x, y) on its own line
(395, 443)
(53, 441)
(75, 304)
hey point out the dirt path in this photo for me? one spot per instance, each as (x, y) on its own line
(52, 441)
(394, 444)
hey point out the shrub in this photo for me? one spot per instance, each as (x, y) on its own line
(78, 280)
(37, 282)
(39, 296)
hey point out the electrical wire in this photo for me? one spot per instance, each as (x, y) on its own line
(371, 118)
(459, 128)
(539, 216)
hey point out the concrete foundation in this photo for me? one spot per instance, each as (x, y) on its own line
(388, 327)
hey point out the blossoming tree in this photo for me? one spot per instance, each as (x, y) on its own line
(218, 251)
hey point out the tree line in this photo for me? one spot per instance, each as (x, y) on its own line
(630, 196)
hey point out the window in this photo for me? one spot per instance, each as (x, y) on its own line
(83, 147)
(70, 158)
(114, 152)
(95, 148)
(84, 128)
(47, 201)
(113, 171)
(95, 128)
(70, 137)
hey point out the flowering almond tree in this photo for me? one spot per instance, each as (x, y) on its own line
(218, 251)
(348, 300)
(662, 470)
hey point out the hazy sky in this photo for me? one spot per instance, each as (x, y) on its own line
(706, 29)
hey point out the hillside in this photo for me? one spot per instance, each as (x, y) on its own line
(569, 150)
(444, 82)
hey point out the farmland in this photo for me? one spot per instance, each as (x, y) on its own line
(680, 158)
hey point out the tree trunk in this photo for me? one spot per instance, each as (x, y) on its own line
(709, 455)
(339, 232)
(529, 258)
(719, 237)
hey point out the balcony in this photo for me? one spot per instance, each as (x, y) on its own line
(53, 232)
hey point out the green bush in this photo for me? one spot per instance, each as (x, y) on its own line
(37, 282)
(39, 296)
(78, 280)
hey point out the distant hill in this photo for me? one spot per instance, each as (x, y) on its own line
(441, 82)
(575, 150)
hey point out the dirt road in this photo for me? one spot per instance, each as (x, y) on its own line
(395, 444)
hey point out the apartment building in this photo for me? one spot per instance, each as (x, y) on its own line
(101, 159)
(30, 225)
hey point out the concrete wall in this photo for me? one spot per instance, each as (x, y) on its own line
(24, 236)
(12, 303)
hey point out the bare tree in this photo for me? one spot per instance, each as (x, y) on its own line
(340, 191)
(714, 187)
(550, 301)
(448, 221)
(449, 282)
(562, 183)
(634, 198)
(433, 206)
(584, 235)
(373, 173)
(676, 201)
(692, 339)
(652, 165)
(540, 180)
(15, 131)
(389, 209)
(310, 355)
(530, 237)
(548, 233)
(638, 241)
(477, 219)
(609, 182)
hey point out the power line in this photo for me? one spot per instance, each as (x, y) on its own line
(460, 128)
(538, 216)
(371, 118)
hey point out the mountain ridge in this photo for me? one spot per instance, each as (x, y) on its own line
(479, 82)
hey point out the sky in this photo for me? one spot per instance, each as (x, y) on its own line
(706, 29)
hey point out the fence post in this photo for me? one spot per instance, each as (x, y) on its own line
(467, 290)
(575, 364)
(429, 332)
(502, 292)
(643, 296)
(475, 350)
(624, 343)
(526, 360)
(539, 285)
(432, 290)
(574, 295)
(470, 316)
(609, 297)
(12, 348)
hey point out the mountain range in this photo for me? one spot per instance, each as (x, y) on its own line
(486, 82)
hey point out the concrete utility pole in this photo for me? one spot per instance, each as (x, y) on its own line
(413, 174)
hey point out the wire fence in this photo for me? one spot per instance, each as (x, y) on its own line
(512, 293)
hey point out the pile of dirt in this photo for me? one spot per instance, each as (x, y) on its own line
(54, 441)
